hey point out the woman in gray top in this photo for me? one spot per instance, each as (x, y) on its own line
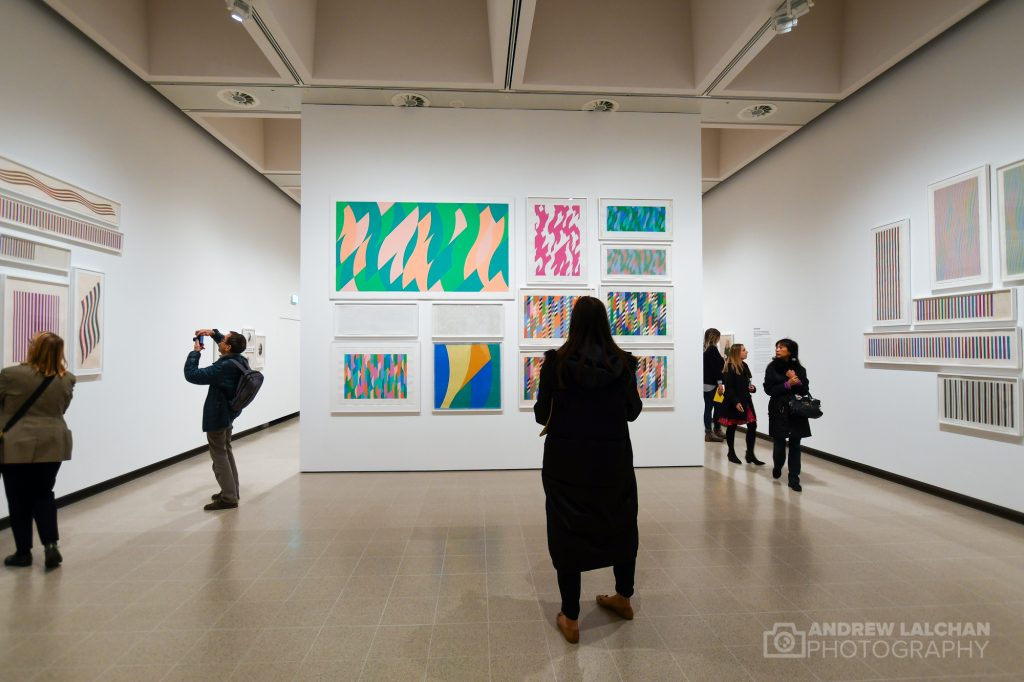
(34, 447)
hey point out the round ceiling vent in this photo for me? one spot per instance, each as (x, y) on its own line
(410, 99)
(238, 98)
(601, 105)
(756, 112)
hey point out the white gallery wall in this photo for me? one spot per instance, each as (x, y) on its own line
(388, 154)
(207, 243)
(787, 248)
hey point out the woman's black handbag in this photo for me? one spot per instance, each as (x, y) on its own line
(805, 406)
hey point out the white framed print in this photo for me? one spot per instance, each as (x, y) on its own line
(994, 305)
(556, 242)
(31, 306)
(259, 352)
(655, 380)
(22, 252)
(636, 219)
(467, 376)
(639, 314)
(88, 309)
(643, 262)
(982, 403)
(1010, 180)
(375, 377)
(376, 320)
(544, 315)
(528, 377)
(890, 285)
(467, 320)
(958, 231)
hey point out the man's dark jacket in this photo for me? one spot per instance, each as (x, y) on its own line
(222, 378)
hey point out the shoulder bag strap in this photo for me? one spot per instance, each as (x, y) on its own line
(25, 406)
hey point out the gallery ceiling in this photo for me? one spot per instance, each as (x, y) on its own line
(246, 82)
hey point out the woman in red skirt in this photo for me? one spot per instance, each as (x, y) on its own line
(738, 407)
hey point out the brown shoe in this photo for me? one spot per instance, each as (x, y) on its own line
(570, 629)
(219, 503)
(616, 603)
(709, 437)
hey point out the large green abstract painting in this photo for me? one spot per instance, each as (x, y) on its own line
(421, 247)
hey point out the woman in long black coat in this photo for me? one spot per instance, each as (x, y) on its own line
(587, 394)
(785, 377)
(738, 407)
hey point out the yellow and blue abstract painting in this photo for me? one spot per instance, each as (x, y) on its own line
(467, 376)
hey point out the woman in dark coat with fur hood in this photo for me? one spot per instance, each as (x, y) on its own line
(587, 395)
(785, 377)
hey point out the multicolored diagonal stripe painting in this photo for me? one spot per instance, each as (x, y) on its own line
(636, 261)
(467, 376)
(636, 219)
(530, 378)
(957, 230)
(33, 313)
(546, 316)
(555, 232)
(419, 247)
(652, 377)
(376, 376)
(1012, 186)
(638, 313)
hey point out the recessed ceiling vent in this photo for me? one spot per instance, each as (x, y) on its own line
(601, 105)
(238, 98)
(758, 112)
(410, 99)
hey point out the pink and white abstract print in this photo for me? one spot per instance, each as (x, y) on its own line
(556, 240)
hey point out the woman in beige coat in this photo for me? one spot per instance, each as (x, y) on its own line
(34, 447)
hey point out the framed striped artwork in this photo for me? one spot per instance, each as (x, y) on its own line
(969, 348)
(528, 375)
(639, 313)
(636, 219)
(983, 403)
(375, 377)
(28, 253)
(655, 380)
(621, 262)
(31, 306)
(544, 315)
(958, 230)
(999, 305)
(890, 251)
(1010, 179)
(88, 305)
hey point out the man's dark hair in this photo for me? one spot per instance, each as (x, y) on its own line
(236, 341)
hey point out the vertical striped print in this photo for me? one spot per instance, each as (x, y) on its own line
(33, 313)
(965, 346)
(17, 248)
(955, 307)
(980, 401)
(888, 275)
(55, 223)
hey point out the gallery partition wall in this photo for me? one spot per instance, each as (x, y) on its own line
(442, 251)
(887, 238)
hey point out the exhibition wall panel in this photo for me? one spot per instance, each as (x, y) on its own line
(433, 156)
(207, 242)
(787, 249)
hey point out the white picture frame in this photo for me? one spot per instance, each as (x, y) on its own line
(18, 332)
(605, 233)
(259, 352)
(526, 396)
(1011, 247)
(557, 243)
(340, 402)
(973, 307)
(890, 285)
(18, 250)
(944, 258)
(981, 403)
(640, 339)
(249, 334)
(663, 372)
(530, 303)
(611, 255)
(88, 330)
(467, 321)
(376, 320)
(499, 375)
(948, 348)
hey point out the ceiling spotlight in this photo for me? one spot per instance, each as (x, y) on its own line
(784, 19)
(240, 10)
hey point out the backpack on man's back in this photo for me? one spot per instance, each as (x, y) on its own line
(248, 386)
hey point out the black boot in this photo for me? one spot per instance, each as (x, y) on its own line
(19, 559)
(733, 458)
(794, 483)
(53, 558)
(751, 459)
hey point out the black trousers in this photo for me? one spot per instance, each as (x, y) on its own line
(569, 584)
(29, 489)
(779, 456)
(710, 411)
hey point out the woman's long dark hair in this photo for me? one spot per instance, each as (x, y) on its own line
(589, 326)
(793, 347)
